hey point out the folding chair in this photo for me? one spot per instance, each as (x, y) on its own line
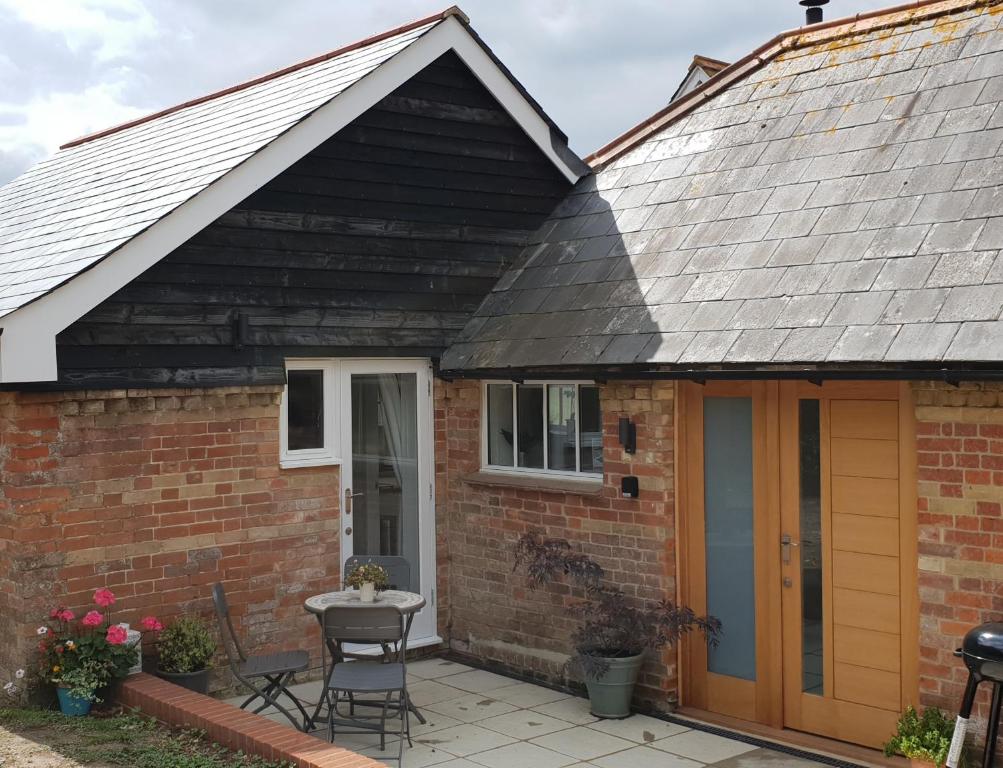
(378, 624)
(275, 669)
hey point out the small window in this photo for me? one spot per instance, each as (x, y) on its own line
(308, 431)
(549, 427)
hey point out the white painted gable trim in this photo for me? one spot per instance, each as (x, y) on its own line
(28, 337)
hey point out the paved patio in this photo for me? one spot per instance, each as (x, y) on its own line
(478, 719)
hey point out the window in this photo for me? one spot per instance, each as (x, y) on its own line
(543, 427)
(308, 433)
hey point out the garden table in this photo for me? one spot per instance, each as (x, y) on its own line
(408, 603)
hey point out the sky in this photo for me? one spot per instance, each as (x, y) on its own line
(70, 67)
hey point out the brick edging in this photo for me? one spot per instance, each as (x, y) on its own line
(233, 727)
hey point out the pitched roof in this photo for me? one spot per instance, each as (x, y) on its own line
(834, 199)
(136, 191)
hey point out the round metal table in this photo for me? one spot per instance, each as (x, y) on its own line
(408, 603)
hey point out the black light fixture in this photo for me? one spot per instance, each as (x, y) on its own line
(241, 331)
(813, 10)
(628, 435)
(629, 487)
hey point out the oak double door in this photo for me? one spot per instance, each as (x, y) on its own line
(797, 515)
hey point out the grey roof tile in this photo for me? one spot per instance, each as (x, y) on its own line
(863, 342)
(922, 341)
(834, 206)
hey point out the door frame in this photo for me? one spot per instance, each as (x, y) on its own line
(424, 630)
(767, 707)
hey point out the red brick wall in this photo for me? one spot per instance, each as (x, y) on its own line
(493, 615)
(157, 494)
(960, 477)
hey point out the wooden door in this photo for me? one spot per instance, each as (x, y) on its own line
(834, 533)
(849, 569)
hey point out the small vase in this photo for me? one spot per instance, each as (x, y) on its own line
(71, 705)
(367, 592)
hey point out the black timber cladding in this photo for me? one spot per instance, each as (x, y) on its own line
(381, 242)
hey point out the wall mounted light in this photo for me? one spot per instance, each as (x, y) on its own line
(628, 435)
(629, 487)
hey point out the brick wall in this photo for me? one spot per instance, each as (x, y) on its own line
(960, 474)
(157, 494)
(493, 615)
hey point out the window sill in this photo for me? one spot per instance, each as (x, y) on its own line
(316, 461)
(584, 486)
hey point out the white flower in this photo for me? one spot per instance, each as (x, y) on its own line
(42, 631)
(10, 688)
(19, 674)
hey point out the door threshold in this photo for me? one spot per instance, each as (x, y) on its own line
(805, 742)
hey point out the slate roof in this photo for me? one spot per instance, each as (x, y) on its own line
(842, 203)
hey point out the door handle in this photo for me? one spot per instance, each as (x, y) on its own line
(348, 500)
(786, 543)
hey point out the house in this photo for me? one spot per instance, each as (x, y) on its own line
(373, 303)
(701, 69)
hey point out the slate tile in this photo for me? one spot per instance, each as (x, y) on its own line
(797, 250)
(668, 239)
(712, 315)
(909, 272)
(995, 274)
(845, 246)
(666, 347)
(922, 341)
(968, 268)
(859, 308)
(834, 192)
(956, 96)
(625, 349)
(952, 236)
(793, 224)
(669, 318)
(585, 350)
(991, 237)
(977, 341)
(863, 342)
(841, 218)
(891, 213)
(806, 311)
(791, 197)
(747, 255)
(943, 206)
(897, 241)
(989, 200)
(710, 286)
(748, 229)
(980, 173)
(924, 152)
(669, 289)
(617, 321)
(757, 283)
(756, 345)
(758, 313)
(976, 146)
(623, 294)
(708, 347)
(807, 278)
(980, 302)
(878, 186)
(808, 344)
(852, 276)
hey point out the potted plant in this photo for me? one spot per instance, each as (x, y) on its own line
(186, 650)
(368, 578)
(925, 739)
(83, 657)
(615, 631)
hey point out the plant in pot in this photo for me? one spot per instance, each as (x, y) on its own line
(186, 650)
(82, 657)
(924, 739)
(368, 578)
(616, 632)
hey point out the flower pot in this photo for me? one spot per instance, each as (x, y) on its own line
(367, 592)
(916, 762)
(71, 705)
(610, 693)
(193, 681)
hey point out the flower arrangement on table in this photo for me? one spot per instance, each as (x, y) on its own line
(82, 656)
(368, 578)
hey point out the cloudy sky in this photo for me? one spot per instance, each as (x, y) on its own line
(68, 67)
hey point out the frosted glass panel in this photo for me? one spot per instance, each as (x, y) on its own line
(812, 643)
(728, 510)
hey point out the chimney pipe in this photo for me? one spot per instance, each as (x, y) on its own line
(813, 10)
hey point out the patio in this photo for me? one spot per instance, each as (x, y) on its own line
(478, 719)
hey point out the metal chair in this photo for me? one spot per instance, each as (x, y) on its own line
(379, 624)
(276, 669)
(397, 568)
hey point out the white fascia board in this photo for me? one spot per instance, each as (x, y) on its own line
(28, 339)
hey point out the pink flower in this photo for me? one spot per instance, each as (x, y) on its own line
(64, 614)
(104, 597)
(92, 619)
(116, 635)
(151, 624)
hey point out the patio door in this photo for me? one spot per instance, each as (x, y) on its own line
(798, 517)
(386, 474)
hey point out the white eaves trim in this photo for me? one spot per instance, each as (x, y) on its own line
(28, 335)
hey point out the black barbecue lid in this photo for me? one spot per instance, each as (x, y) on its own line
(985, 641)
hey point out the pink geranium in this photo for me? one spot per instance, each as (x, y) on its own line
(64, 614)
(151, 624)
(116, 635)
(104, 597)
(92, 619)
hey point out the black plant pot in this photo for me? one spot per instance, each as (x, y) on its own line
(193, 681)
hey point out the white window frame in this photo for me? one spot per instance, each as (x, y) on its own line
(531, 471)
(330, 453)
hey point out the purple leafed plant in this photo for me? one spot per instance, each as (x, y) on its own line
(612, 626)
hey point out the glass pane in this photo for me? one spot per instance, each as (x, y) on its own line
(728, 510)
(591, 429)
(809, 441)
(500, 432)
(561, 427)
(529, 409)
(305, 410)
(385, 467)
